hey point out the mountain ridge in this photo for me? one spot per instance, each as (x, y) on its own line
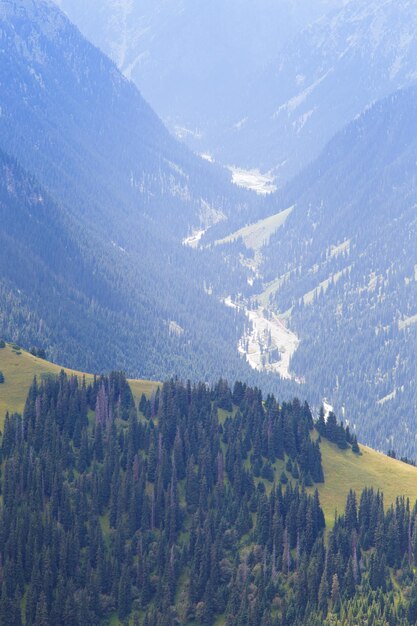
(342, 469)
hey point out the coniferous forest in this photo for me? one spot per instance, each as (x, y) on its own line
(173, 512)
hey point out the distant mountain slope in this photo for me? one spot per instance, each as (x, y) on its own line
(204, 55)
(348, 255)
(60, 286)
(282, 79)
(70, 117)
(325, 77)
(105, 259)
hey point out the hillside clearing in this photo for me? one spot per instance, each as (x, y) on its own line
(271, 289)
(344, 470)
(308, 298)
(256, 236)
(407, 322)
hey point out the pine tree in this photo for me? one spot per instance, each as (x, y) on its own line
(42, 618)
(124, 601)
(355, 446)
(335, 594)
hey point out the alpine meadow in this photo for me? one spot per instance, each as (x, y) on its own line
(208, 313)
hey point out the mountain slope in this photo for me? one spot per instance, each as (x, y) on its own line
(94, 137)
(176, 513)
(303, 72)
(325, 77)
(64, 289)
(348, 261)
(167, 47)
(121, 195)
(20, 367)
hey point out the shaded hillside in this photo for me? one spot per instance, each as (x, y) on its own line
(64, 289)
(119, 195)
(75, 122)
(322, 79)
(282, 79)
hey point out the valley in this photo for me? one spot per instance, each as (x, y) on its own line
(213, 229)
(315, 254)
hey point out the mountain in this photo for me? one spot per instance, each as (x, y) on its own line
(85, 122)
(347, 269)
(109, 196)
(97, 198)
(204, 55)
(304, 71)
(192, 504)
(322, 79)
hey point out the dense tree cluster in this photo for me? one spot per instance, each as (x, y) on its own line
(365, 547)
(174, 514)
(38, 352)
(103, 512)
(336, 433)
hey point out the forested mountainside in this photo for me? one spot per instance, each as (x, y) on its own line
(137, 503)
(167, 47)
(180, 514)
(97, 197)
(61, 288)
(109, 195)
(348, 260)
(73, 120)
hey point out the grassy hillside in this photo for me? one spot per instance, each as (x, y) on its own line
(255, 236)
(19, 368)
(343, 470)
